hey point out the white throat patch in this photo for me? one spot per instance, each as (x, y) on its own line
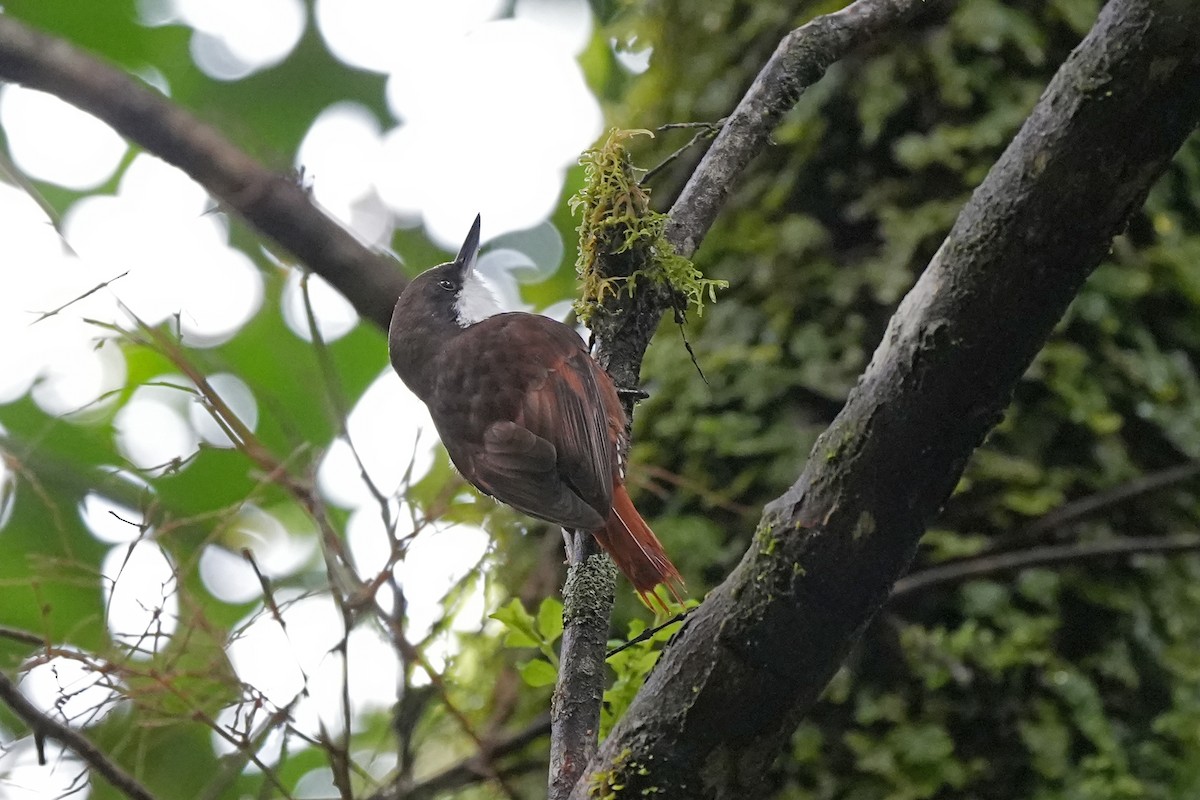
(475, 301)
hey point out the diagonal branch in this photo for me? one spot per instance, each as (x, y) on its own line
(754, 658)
(273, 203)
(45, 726)
(798, 62)
(1086, 506)
(623, 332)
(474, 769)
(965, 569)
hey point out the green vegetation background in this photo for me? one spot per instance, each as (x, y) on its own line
(1080, 682)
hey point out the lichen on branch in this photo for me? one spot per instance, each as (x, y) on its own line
(617, 221)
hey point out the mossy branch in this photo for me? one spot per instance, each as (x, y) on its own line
(617, 221)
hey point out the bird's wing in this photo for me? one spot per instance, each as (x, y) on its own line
(520, 468)
(563, 434)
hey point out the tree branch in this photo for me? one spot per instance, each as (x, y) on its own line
(966, 569)
(588, 597)
(45, 726)
(476, 769)
(274, 204)
(798, 62)
(628, 321)
(745, 668)
(1086, 506)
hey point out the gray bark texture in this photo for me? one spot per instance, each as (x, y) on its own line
(731, 688)
(575, 707)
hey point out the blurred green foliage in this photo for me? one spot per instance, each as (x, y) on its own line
(1080, 683)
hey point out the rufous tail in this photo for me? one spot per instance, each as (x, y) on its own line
(636, 550)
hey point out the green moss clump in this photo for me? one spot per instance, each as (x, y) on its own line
(617, 219)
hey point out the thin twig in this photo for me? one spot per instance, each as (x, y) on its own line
(69, 303)
(22, 636)
(1086, 506)
(470, 770)
(708, 131)
(649, 632)
(1050, 555)
(45, 726)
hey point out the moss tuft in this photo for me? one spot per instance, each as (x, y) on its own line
(616, 218)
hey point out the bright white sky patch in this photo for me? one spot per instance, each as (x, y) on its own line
(492, 112)
(334, 315)
(371, 33)
(23, 778)
(76, 374)
(276, 550)
(51, 140)
(261, 656)
(110, 522)
(234, 392)
(161, 230)
(436, 560)
(228, 576)
(386, 426)
(235, 38)
(246, 722)
(142, 604)
(152, 427)
(340, 156)
(84, 699)
(491, 131)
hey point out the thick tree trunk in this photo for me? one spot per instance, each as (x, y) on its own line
(730, 690)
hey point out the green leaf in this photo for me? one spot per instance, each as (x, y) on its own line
(550, 619)
(537, 673)
(520, 624)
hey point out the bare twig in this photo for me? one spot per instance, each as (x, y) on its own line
(649, 632)
(966, 569)
(1093, 503)
(22, 636)
(707, 131)
(88, 293)
(273, 203)
(471, 770)
(45, 726)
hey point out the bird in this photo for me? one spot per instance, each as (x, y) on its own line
(525, 412)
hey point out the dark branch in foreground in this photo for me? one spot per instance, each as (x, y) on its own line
(966, 569)
(755, 657)
(624, 330)
(45, 726)
(588, 597)
(273, 203)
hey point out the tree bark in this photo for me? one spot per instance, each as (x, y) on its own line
(726, 696)
(628, 321)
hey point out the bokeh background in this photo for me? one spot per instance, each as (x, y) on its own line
(188, 619)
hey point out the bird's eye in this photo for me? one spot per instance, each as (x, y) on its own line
(447, 285)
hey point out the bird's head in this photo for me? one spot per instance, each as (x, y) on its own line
(438, 304)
